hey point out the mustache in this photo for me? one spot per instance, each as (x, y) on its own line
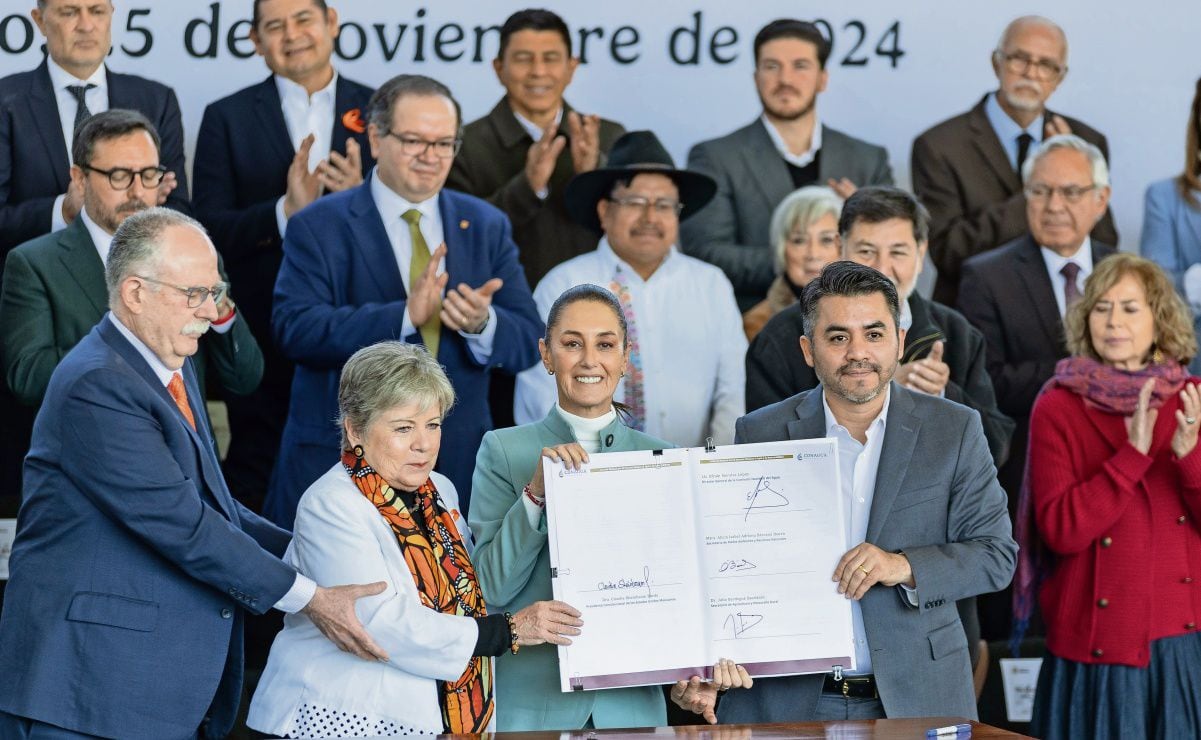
(132, 206)
(196, 328)
(785, 88)
(859, 365)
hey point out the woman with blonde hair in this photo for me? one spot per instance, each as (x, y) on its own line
(1113, 491)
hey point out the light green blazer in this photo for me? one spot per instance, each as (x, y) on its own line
(512, 561)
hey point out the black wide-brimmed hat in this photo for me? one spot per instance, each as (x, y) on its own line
(635, 153)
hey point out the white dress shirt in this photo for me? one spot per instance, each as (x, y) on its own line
(392, 208)
(303, 588)
(690, 340)
(1055, 262)
(804, 158)
(306, 114)
(858, 465)
(97, 100)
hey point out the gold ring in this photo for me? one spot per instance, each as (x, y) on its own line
(865, 570)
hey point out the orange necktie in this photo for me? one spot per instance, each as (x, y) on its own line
(180, 394)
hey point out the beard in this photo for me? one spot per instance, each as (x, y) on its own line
(833, 381)
(1032, 104)
(784, 114)
(110, 218)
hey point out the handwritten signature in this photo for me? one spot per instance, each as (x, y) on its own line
(622, 584)
(739, 623)
(733, 565)
(763, 497)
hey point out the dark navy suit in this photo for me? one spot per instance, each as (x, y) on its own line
(340, 289)
(34, 163)
(132, 564)
(240, 171)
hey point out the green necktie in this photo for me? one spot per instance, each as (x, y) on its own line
(431, 330)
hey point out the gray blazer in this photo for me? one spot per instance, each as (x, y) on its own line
(937, 499)
(752, 178)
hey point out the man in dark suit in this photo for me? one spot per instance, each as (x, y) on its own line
(520, 156)
(787, 147)
(967, 169)
(1017, 295)
(263, 154)
(40, 109)
(133, 566)
(922, 506)
(53, 286)
(398, 257)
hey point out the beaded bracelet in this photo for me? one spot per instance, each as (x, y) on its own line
(513, 646)
(539, 502)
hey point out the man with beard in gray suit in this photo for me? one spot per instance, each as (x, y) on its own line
(785, 148)
(922, 505)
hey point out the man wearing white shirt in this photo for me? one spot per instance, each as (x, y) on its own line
(123, 467)
(1017, 294)
(262, 154)
(785, 148)
(686, 377)
(925, 516)
(399, 257)
(36, 194)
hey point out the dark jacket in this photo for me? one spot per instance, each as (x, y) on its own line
(491, 165)
(776, 368)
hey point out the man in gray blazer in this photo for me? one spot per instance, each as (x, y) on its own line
(922, 504)
(785, 148)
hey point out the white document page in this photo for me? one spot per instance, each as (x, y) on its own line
(772, 530)
(629, 565)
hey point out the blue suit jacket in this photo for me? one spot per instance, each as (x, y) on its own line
(240, 170)
(340, 289)
(1172, 237)
(34, 166)
(132, 563)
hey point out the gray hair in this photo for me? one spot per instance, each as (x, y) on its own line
(799, 210)
(383, 101)
(385, 375)
(1096, 159)
(137, 246)
(1030, 20)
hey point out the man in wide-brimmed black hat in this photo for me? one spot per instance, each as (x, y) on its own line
(680, 311)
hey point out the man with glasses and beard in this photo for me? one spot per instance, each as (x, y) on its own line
(967, 169)
(53, 289)
(785, 148)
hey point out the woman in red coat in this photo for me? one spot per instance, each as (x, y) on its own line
(1114, 484)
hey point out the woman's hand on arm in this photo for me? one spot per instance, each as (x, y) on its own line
(570, 454)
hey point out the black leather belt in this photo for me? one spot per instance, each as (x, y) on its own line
(858, 687)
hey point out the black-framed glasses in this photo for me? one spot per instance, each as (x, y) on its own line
(1070, 193)
(196, 295)
(661, 206)
(415, 146)
(121, 178)
(1044, 69)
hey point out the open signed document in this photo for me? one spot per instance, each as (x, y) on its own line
(679, 557)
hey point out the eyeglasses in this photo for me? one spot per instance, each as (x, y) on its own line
(413, 146)
(196, 296)
(1044, 69)
(1070, 193)
(662, 206)
(121, 178)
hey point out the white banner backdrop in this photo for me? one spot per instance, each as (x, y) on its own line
(684, 69)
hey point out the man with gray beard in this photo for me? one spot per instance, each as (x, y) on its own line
(966, 170)
(53, 288)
